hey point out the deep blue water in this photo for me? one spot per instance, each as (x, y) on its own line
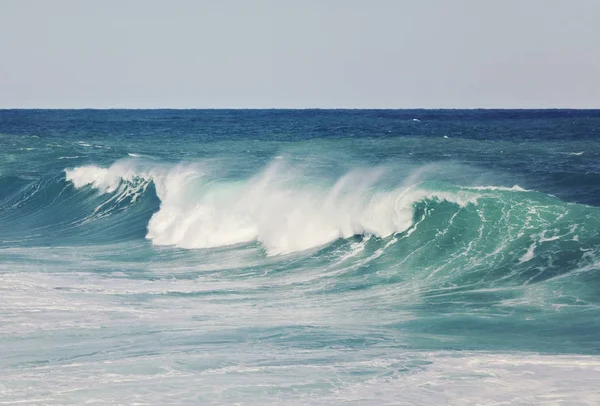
(299, 256)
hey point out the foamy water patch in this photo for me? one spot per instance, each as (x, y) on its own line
(290, 378)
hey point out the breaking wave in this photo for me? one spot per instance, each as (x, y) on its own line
(276, 207)
(463, 235)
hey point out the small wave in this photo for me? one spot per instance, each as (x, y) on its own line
(515, 188)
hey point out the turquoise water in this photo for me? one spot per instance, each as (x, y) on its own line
(299, 257)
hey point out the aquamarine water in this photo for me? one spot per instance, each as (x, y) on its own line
(299, 257)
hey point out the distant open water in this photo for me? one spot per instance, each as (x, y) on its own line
(299, 257)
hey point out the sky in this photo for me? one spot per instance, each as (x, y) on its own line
(300, 54)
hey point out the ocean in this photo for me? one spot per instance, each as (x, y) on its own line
(300, 257)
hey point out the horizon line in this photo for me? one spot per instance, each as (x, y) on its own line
(297, 108)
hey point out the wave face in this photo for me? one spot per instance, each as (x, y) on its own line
(305, 257)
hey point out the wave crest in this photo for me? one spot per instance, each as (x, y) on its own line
(278, 206)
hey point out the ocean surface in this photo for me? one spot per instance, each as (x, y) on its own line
(310, 257)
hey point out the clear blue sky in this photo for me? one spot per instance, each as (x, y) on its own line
(295, 54)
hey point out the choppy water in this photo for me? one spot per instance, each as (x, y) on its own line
(299, 257)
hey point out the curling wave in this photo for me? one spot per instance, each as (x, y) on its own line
(276, 206)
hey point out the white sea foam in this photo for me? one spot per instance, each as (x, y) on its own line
(528, 256)
(515, 188)
(276, 207)
(473, 378)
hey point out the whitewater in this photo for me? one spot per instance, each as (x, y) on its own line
(299, 257)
